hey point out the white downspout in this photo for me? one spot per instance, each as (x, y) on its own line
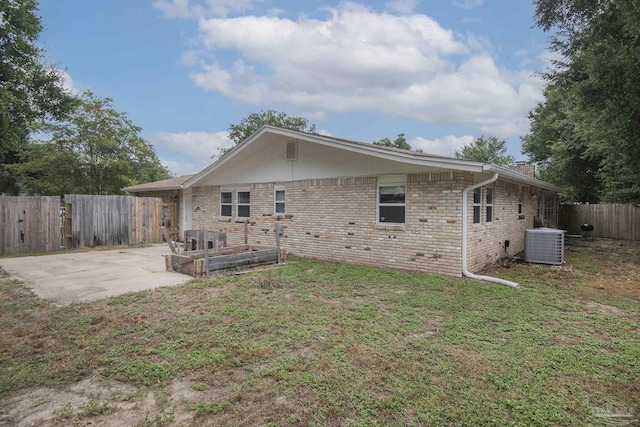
(466, 272)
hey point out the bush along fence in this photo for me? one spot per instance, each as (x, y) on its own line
(613, 221)
(30, 224)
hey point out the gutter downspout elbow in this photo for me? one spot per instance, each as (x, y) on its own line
(466, 272)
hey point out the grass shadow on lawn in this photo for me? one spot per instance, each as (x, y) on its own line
(318, 343)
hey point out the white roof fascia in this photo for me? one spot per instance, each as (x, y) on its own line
(224, 159)
(517, 176)
(159, 188)
(436, 162)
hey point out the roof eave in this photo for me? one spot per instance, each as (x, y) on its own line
(517, 176)
(155, 188)
(436, 162)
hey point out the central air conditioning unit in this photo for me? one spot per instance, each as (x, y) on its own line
(544, 246)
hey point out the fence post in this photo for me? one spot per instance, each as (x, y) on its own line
(206, 251)
(278, 231)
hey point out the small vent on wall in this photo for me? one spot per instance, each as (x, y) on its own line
(292, 149)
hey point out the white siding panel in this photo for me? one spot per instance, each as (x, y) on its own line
(265, 161)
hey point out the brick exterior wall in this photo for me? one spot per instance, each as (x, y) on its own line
(335, 219)
(524, 168)
(486, 241)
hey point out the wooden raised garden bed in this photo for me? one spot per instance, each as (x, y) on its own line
(203, 253)
(193, 262)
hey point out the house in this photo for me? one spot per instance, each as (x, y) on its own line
(362, 203)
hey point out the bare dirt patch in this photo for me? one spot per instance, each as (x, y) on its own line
(599, 268)
(92, 402)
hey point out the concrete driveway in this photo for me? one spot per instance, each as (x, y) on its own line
(87, 276)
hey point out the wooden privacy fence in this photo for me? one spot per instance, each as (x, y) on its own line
(29, 224)
(111, 220)
(613, 221)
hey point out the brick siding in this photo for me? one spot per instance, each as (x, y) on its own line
(335, 219)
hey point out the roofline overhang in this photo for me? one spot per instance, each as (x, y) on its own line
(372, 150)
(511, 175)
(158, 188)
(375, 151)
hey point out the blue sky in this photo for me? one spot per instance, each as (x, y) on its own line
(442, 72)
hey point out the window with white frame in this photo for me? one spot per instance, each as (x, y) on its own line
(225, 203)
(477, 201)
(488, 205)
(279, 202)
(391, 203)
(244, 204)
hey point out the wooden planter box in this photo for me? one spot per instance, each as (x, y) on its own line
(193, 262)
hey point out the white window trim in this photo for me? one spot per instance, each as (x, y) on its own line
(475, 205)
(275, 201)
(226, 204)
(488, 205)
(390, 181)
(238, 204)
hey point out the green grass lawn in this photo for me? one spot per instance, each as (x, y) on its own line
(329, 344)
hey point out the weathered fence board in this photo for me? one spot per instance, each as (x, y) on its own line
(113, 220)
(29, 224)
(146, 218)
(613, 221)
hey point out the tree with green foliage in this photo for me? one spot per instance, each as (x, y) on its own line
(591, 113)
(399, 142)
(97, 151)
(488, 149)
(30, 91)
(254, 121)
(558, 149)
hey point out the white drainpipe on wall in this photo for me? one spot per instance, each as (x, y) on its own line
(466, 272)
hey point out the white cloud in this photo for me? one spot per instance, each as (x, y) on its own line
(549, 58)
(357, 59)
(188, 152)
(68, 84)
(467, 4)
(402, 6)
(180, 168)
(191, 58)
(203, 9)
(174, 8)
(445, 146)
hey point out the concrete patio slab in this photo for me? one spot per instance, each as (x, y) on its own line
(87, 276)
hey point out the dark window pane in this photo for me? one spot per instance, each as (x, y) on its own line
(225, 210)
(243, 211)
(477, 195)
(489, 213)
(393, 214)
(280, 196)
(393, 194)
(244, 197)
(279, 207)
(476, 214)
(489, 192)
(225, 197)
